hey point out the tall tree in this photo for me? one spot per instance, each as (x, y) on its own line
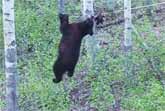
(88, 11)
(128, 25)
(128, 41)
(10, 54)
(131, 79)
(61, 6)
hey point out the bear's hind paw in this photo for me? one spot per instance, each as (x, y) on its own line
(56, 80)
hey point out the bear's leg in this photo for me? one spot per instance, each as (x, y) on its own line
(70, 72)
(58, 78)
(58, 70)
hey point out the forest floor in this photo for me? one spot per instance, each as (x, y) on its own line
(79, 94)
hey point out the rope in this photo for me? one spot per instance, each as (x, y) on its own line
(146, 6)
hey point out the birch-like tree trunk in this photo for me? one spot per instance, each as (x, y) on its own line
(10, 54)
(88, 11)
(61, 6)
(128, 25)
(128, 44)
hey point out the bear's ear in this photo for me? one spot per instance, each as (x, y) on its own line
(64, 22)
(64, 18)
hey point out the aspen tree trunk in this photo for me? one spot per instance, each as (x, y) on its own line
(61, 6)
(128, 25)
(130, 77)
(88, 11)
(10, 54)
(128, 43)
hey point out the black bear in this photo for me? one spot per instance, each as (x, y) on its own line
(69, 47)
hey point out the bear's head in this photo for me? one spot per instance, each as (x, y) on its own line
(89, 25)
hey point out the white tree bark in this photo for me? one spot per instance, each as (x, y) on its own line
(88, 11)
(131, 79)
(128, 25)
(61, 6)
(10, 54)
